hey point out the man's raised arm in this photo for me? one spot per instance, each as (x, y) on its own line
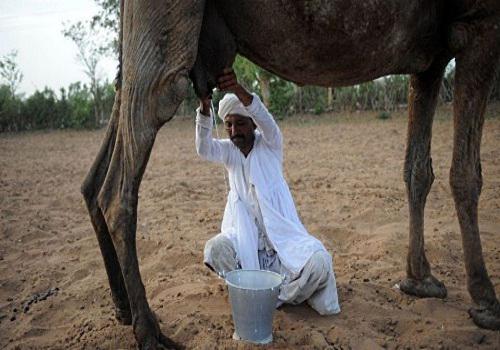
(260, 115)
(265, 122)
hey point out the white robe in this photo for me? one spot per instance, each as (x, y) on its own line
(293, 244)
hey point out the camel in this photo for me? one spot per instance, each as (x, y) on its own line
(164, 44)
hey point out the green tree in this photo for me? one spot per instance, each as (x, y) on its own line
(276, 93)
(63, 110)
(10, 110)
(108, 20)
(254, 77)
(10, 72)
(81, 106)
(92, 47)
(39, 109)
(108, 97)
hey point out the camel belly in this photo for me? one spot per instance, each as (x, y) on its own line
(335, 43)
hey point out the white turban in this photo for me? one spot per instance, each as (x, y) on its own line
(231, 104)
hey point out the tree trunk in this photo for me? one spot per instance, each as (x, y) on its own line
(98, 109)
(329, 100)
(298, 98)
(264, 82)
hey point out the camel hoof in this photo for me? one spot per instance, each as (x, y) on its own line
(169, 343)
(486, 317)
(429, 287)
(124, 317)
(159, 343)
(149, 336)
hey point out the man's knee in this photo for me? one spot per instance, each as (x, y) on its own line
(324, 299)
(219, 254)
(321, 260)
(319, 266)
(218, 245)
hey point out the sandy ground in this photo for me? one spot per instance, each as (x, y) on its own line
(345, 173)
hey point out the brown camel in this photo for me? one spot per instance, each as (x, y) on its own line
(318, 42)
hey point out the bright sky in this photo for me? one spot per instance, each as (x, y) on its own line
(45, 56)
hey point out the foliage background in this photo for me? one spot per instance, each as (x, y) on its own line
(74, 107)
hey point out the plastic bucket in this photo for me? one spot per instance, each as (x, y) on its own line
(253, 295)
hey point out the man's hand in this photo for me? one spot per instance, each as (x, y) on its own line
(227, 82)
(205, 104)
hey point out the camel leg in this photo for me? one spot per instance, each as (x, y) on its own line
(159, 47)
(418, 176)
(475, 73)
(90, 189)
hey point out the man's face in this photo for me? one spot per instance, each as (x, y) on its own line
(241, 131)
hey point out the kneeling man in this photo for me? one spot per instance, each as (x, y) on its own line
(261, 228)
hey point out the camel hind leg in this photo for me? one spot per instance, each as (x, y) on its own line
(418, 176)
(476, 65)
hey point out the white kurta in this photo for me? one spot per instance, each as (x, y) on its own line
(264, 177)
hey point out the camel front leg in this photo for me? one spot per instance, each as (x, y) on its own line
(159, 44)
(90, 190)
(118, 196)
(475, 73)
(418, 176)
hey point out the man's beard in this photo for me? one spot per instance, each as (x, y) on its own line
(238, 138)
(239, 141)
(243, 142)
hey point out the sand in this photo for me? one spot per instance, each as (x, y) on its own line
(345, 173)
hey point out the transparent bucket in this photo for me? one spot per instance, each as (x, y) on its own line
(253, 295)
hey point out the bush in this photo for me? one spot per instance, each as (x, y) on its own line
(45, 110)
(10, 110)
(281, 96)
(39, 111)
(80, 106)
(383, 115)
